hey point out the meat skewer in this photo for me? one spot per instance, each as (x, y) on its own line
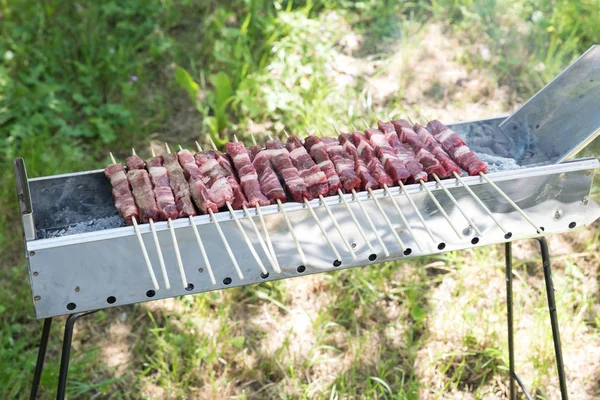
(373, 135)
(281, 161)
(367, 152)
(391, 132)
(297, 146)
(407, 134)
(157, 178)
(257, 199)
(201, 197)
(176, 172)
(215, 173)
(372, 256)
(226, 169)
(459, 151)
(140, 240)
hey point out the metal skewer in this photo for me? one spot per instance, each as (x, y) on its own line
(338, 260)
(136, 228)
(509, 200)
(198, 239)
(291, 229)
(507, 234)
(175, 246)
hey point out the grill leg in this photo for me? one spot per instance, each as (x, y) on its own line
(66, 352)
(553, 317)
(39, 365)
(509, 312)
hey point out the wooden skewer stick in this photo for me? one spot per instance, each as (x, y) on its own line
(175, 245)
(416, 210)
(404, 220)
(136, 228)
(199, 240)
(145, 253)
(226, 243)
(337, 227)
(268, 239)
(509, 201)
(291, 229)
(264, 225)
(202, 250)
(371, 224)
(247, 239)
(357, 224)
(214, 146)
(161, 259)
(457, 205)
(388, 222)
(507, 234)
(338, 257)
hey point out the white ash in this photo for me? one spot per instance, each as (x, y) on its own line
(82, 227)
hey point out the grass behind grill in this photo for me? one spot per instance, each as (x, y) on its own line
(80, 78)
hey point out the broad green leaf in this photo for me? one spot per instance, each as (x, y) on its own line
(186, 82)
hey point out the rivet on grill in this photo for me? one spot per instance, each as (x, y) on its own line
(337, 263)
(189, 287)
(77, 289)
(372, 257)
(227, 281)
(264, 276)
(407, 251)
(353, 245)
(150, 293)
(508, 235)
(71, 306)
(585, 201)
(36, 273)
(37, 298)
(475, 240)
(301, 269)
(200, 270)
(31, 253)
(558, 214)
(572, 225)
(111, 299)
(441, 246)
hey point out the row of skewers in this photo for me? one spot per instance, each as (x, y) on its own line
(357, 161)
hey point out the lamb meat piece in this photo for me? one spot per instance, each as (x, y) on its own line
(269, 183)
(161, 188)
(404, 152)
(457, 148)
(143, 194)
(281, 161)
(437, 150)
(344, 164)
(134, 162)
(198, 190)
(393, 166)
(315, 179)
(214, 177)
(239, 198)
(247, 173)
(407, 135)
(367, 154)
(253, 151)
(121, 191)
(179, 186)
(367, 180)
(316, 149)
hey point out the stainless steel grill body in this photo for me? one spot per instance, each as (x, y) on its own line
(79, 272)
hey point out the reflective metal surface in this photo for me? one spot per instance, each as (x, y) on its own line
(560, 119)
(86, 269)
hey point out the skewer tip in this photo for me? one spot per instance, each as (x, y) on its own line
(269, 136)
(235, 139)
(365, 122)
(153, 152)
(286, 134)
(353, 128)
(168, 148)
(180, 148)
(212, 143)
(320, 131)
(112, 158)
(198, 146)
(335, 128)
(253, 139)
(133, 151)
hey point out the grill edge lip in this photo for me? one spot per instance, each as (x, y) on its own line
(571, 166)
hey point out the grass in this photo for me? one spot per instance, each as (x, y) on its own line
(80, 78)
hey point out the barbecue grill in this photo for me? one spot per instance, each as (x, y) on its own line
(83, 258)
